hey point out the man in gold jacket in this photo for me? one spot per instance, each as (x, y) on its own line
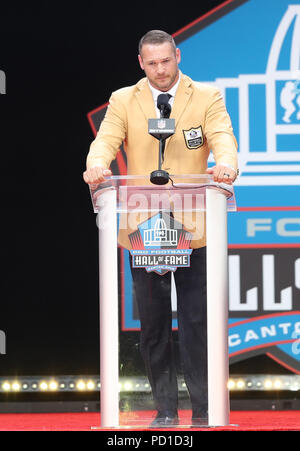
(202, 124)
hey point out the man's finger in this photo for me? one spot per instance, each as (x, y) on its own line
(222, 174)
(227, 178)
(86, 177)
(96, 175)
(90, 176)
(212, 171)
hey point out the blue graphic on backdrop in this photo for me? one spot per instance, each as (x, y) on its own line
(252, 55)
(259, 76)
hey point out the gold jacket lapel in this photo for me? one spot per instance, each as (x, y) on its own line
(145, 99)
(182, 97)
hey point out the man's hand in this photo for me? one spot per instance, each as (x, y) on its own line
(96, 175)
(222, 174)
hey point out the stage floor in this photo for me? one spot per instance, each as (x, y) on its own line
(241, 421)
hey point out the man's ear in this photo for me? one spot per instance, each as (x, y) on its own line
(141, 62)
(178, 55)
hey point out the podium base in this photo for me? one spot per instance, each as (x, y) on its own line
(159, 177)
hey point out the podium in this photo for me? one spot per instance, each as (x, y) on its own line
(156, 229)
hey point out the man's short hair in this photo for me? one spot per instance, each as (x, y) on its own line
(156, 37)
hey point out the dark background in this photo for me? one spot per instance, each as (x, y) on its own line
(62, 60)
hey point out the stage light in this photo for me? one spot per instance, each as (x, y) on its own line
(16, 386)
(81, 385)
(277, 384)
(90, 385)
(6, 386)
(43, 386)
(127, 386)
(53, 385)
(231, 384)
(240, 384)
(268, 384)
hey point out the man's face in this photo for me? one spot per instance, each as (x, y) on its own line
(160, 63)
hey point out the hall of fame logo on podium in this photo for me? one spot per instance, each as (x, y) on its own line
(160, 244)
(160, 235)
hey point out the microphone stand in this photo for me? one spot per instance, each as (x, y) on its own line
(160, 176)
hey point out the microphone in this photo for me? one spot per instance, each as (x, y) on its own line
(163, 105)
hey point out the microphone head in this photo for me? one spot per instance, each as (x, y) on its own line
(163, 105)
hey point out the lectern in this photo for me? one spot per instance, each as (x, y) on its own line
(159, 226)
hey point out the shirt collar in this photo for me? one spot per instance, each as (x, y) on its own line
(172, 91)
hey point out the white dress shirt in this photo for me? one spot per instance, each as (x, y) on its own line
(156, 93)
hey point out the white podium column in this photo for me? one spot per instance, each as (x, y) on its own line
(217, 308)
(109, 327)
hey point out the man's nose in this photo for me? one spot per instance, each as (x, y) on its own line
(160, 68)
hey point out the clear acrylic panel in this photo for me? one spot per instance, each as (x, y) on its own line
(129, 186)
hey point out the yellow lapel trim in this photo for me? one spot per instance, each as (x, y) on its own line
(145, 99)
(182, 97)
